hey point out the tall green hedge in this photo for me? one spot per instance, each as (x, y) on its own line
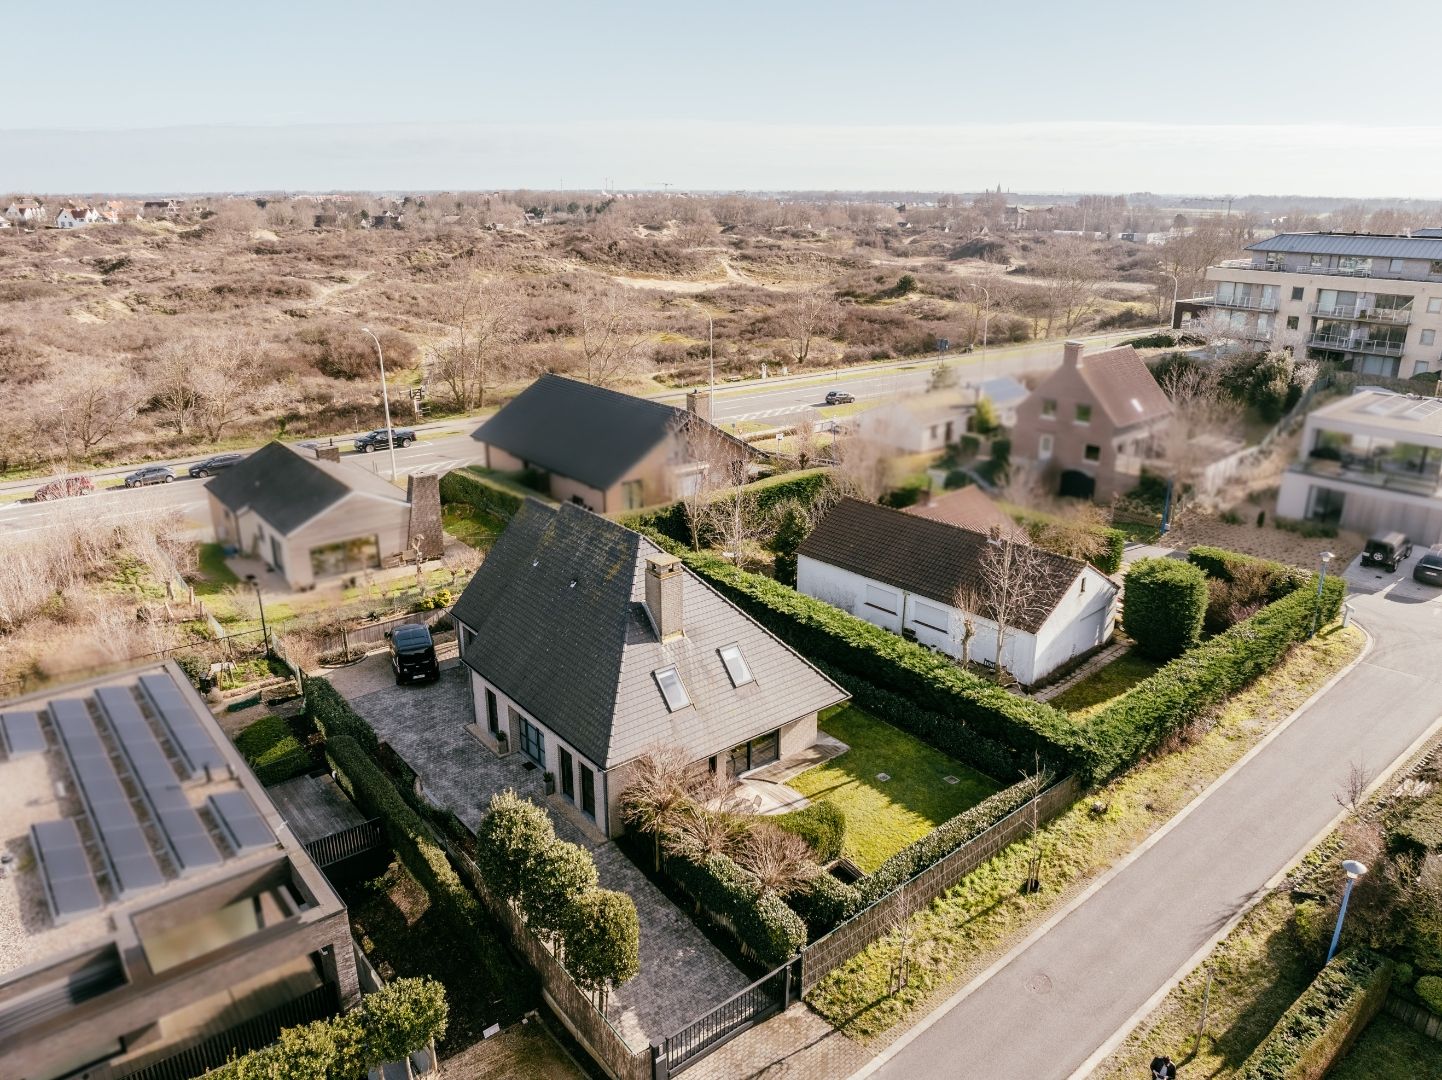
(1223, 564)
(762, 923)
(333, 716)
(1164, 606)
(491, 496)
(1322, 1024)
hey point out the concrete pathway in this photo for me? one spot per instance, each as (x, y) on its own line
(1051, 1009)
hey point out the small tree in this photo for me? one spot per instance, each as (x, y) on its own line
(963, 624)
(1165, 606)
(792, 525)
(1011, 576)
(512, 836)
(401, 1018)
(781, 861)
(603, 942)
(661, 787)
(557, 877)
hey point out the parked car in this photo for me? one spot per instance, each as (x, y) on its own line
(212, 465)
(63, 488)
(1429, 567)
(377, 440)
(151, 474)
(1389, 550)
(413, 655)
(839, 397)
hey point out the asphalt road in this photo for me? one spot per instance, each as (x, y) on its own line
(1044, 1013)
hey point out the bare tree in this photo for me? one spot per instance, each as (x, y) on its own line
(1201, 415)
(734, 521)
(1354, 787)
(613, 335)
(1011, 588)
(88, 401)
(1072, 276)
(168, 371)
(482, 315)
(705, 461)
(805, 315)
(963, 624)
(1215, 329)
(229, 379)
(661, 788)
(864, 467)
(781, 860)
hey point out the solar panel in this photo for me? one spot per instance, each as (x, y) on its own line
(197, 749)
(242, 824)
(104, 797)
(69, 883)
(185, 834)
(21, 734)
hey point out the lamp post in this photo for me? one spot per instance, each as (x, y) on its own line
(1354, 870)
(985, 322)
(1322, 561)
(264, 633)
(385, 401)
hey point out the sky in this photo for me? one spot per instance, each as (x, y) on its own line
(1274, 97)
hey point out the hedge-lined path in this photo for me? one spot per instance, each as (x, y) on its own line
(1086, 671)
(1089, 974)
(682, 974)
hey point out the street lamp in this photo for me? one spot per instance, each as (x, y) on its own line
(1322, 561)
(385, 400)
(1354, 870)
(985, 322)
(264, 633)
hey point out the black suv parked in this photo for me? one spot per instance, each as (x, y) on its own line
(212, 465)
(413, 655)
(151, 474)
(376, 440)
(1389, 550)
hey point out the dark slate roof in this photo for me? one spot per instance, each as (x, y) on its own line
(286, 488)
(583, 432)
(1123, 386)
(930, 558)
(1361, 244)
(561, 627)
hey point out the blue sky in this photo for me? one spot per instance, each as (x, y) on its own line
(1267, 97)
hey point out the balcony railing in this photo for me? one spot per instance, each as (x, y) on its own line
(1355, 345)
(1330, 271)
(1247, 303)
(1373, 476)
(1397, 316)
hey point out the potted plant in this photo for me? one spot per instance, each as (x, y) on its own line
(550, 779)
(502, 741)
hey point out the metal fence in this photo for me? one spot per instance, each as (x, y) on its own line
(248, 1035)
(763, 999)
(357, 840)
(374, 633)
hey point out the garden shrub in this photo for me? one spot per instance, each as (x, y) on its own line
(1419, 832)
(603, 939)
(822, 825)
(332, 715)
(1323, 1022)
(513, 835)
(1429, 991)
(765, 927)
(824, 903)
(1230, 565)
(1050, 532)
(1164, 606)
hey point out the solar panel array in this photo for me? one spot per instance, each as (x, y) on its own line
(21, 734)
(194, 744)
(185, 834)
(69, 884)
(128, 856)
(242, 824)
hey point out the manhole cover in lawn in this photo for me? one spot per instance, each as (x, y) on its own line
(883, 777)
(1039, 984)
(951, 779)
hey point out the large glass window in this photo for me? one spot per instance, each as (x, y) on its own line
(1325, 505)
(588, 792)
(568, 778)
(345, 557)
(493, 713)
(533, 742)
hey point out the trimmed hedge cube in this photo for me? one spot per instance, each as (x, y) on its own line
(1164, 606)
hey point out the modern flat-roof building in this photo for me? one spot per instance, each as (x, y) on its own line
(1371, 462)
(1371, 302)
(154, 912)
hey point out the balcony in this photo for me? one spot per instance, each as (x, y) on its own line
(1394, 316)
(1245, 303)
(1329, 271)
(1355, 345)
(1373, 474)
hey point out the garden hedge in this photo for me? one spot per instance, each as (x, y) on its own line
(1429, 991)
(1223, 564)
(1419, 832)
(1113, 541)
(1322, 1024)
(333, 716)
(824, 903)
(942, 841)
(1164, 606)
(822, 825)
(804, 486)
(764, 926)
(272, 751)
(489, 495)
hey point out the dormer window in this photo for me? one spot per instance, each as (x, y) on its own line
(735, 665)
(672, 688)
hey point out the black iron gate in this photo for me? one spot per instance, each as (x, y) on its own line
(761, 1000)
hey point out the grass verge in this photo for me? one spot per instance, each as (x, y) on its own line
(215, 575)
(1389, 1050)
(986, 913)
(883, 816)
(468, 525)
(1089, 695)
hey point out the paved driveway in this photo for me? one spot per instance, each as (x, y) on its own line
(682, 974)
(1043, 1013)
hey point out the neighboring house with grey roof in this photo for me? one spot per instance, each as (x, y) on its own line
(924, 579)
(606, 450)
(312, 519)
(587, 645)
(1093, 424)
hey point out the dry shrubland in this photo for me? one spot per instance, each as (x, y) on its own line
(152, 338)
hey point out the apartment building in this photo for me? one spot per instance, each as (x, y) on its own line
(1370, 302)
(155, 911)
(1372, 463)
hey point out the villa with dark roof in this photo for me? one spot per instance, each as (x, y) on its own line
(587, 645)
(312, 519)
(926, 579)
(606, 450)
(1093, 424)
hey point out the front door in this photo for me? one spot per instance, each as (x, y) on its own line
(1077, 485)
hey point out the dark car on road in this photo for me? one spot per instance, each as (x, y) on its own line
(151, 474)
(413, 655)
(839, 397)
(1429, 567)
(212, 465)
(1389, 550)
(377, 440)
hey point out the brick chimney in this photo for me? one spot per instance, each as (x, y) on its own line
(1071, 354)
(424, 494)
(698, 402)
(327, 453)
(664, 584)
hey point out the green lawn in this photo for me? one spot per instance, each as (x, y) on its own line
(1389, 1050)
(272, 750)
(883, 816)
(468, 525)
(1089, 695)
(215, 575)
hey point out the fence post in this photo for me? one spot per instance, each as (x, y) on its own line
(786, 993)
(658, 1063)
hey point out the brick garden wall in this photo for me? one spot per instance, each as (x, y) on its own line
(875, 922)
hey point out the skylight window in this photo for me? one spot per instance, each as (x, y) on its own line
(735, 665)
(672, 689)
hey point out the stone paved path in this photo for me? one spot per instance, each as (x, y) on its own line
(682, 974)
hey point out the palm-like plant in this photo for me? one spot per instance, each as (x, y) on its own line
(658, 795)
